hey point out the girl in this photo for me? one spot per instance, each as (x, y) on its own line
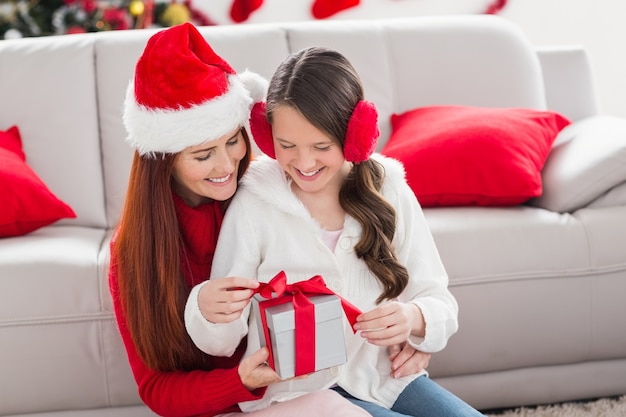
(327, 206)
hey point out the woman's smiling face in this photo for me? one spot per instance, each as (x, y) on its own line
(209, 171)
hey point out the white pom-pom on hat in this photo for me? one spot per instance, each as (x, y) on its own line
(255, 84)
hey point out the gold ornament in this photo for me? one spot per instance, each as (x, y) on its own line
(136, 8)
(175, 14)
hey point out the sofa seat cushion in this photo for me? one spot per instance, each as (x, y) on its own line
(52, 318)
(481, 244)
(509, 267)
(128, 411)
(57, 270)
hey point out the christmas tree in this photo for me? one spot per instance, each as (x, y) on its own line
(26, 18)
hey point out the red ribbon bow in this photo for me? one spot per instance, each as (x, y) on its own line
(279, 291)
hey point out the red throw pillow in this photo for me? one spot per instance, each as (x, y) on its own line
(26, 203)
(463, 155)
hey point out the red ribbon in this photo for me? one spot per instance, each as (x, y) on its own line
(277, 291)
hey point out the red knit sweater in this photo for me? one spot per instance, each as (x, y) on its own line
(195, 393)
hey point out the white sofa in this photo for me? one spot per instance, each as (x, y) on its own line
(540, 289)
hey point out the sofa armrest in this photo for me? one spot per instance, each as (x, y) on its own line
(616, 196)
(568, 80)
(587, 162)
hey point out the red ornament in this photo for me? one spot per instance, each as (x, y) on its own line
(75, 29)
(116, 18)
(325, 8)
(495, 7)
(197, 16)
(242, 9)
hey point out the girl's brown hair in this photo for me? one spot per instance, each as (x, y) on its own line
(153, 289)
(325, 88)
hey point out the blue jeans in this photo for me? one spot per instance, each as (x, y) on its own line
(421, 398)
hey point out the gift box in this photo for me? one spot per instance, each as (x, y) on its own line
(327, 346)
(301, 324)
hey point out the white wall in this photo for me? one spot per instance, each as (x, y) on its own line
(598, 25)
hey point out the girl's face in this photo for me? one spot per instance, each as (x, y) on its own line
(209, 171)
(312, 159)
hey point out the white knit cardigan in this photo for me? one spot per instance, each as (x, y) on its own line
(267, 229)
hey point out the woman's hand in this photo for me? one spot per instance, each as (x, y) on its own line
(391, 323)
(223, 300)
(405, 360)
(254, 371)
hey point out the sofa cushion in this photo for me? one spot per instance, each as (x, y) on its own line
(68, 328)
(26, 203)
(587, 162)
(507, 266)
(53, 96)
(616, 196)
(466, 155)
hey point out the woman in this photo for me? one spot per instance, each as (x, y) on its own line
(184, 113)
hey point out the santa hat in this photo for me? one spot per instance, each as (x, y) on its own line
(184, 94)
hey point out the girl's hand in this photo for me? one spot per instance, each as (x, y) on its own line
(405, 360)
(391, 323)
(254, 371)
(223, 300)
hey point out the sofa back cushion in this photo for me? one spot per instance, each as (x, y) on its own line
(48, 90)
(80, 152)
(403, 63)
(406, 63)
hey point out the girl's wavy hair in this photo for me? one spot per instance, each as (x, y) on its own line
(324, 87)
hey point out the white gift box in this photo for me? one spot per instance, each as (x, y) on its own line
(330, 348)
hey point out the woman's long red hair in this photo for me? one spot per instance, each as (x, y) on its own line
(153, 290)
